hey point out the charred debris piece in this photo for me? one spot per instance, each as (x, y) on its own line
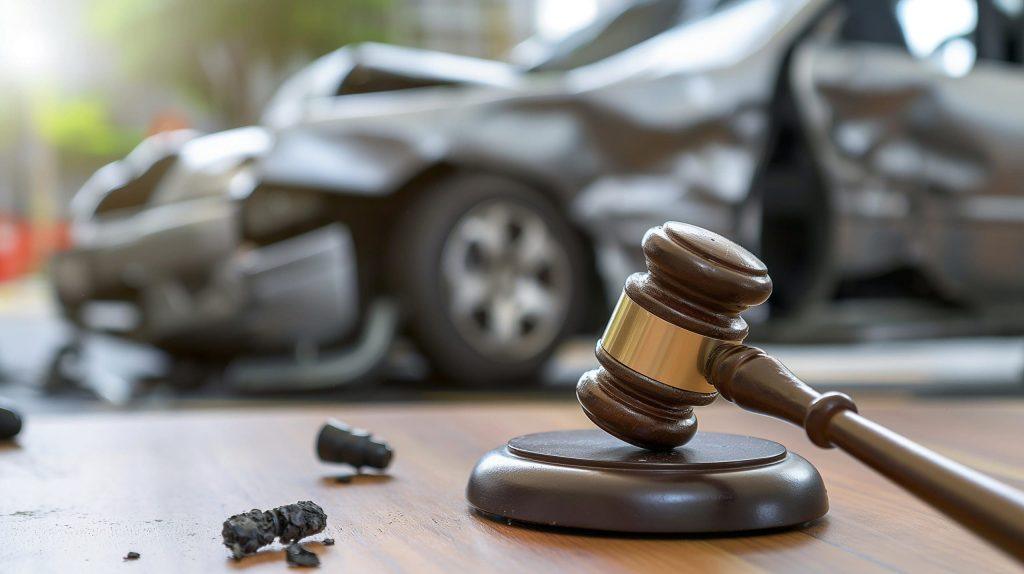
(297, 555)
(132, 556)
(340, 443)
(246, 533)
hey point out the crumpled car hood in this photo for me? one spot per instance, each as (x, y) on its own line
(218, 151)
(207, 165)
(373, 68)
(120, 173)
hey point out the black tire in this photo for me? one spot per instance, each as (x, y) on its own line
(430, 223)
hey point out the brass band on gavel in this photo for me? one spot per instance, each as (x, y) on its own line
(658, 349)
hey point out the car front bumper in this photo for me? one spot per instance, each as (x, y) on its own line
(186, 276)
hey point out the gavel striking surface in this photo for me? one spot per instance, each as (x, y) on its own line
(588, 479)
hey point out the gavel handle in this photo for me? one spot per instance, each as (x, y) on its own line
(760, 383)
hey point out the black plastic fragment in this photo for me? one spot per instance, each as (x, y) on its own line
(10, 421)
(297, 555)
(340, 443)
(248, 532)
(132, 556)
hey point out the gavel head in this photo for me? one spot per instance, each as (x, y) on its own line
(666, 325)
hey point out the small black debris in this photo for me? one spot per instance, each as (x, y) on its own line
(328, 542)
(338, 442)
(10, 421)
(297, 555)
(132, 556)
(246, 533)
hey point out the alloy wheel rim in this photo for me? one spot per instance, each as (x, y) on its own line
(506, 279)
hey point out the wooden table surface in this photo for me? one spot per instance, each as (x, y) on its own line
(77, 492)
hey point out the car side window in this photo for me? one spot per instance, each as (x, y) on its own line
(942, 31)
(871, 22)
(952, 34)
(1001, 26)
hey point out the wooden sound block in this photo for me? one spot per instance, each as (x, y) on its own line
(591, 480)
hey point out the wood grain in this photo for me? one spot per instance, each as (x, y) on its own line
(759, 383)
(78, 492)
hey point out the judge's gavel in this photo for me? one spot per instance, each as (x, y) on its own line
(674, 342)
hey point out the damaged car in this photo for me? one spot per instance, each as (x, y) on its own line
(489, 210)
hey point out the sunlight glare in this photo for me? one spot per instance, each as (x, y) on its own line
(27, 49)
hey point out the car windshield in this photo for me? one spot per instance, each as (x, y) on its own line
(612, 33)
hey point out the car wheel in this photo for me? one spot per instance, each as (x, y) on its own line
(490, 275)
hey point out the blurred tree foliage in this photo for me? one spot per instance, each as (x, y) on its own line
(229, 55)
(82, 127)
